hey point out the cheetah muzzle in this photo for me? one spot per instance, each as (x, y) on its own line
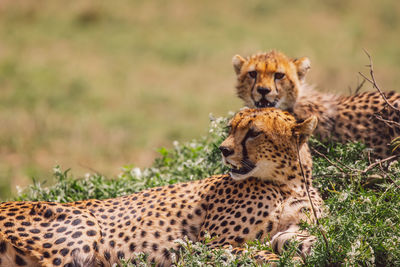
(264, 103)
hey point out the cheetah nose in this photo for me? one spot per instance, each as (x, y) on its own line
(263, 90)
(226, 151)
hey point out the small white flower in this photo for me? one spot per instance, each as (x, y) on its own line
(19, 189)
(343, 196)
(57, 170)
(136, 172)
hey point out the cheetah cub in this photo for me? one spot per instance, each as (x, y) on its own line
(274, 80)
(264, 196)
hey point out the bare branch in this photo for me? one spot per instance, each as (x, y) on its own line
(311, 203)
(387, 122)
(379, 162)
(359, 86)
(334, 164)
(372, 80)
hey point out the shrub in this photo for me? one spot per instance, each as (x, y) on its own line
(362, 226)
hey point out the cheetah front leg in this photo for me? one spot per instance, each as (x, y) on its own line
(281, 239)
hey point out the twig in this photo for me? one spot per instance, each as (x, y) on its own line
(360, 85)
(373, 81)
(325, 157)
(386, 176)
(379, 162)
(311, 203)
(89, 168)
(387, 122)
(331, 162)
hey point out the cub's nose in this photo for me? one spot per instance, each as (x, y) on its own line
(263, 90)
(226, 151)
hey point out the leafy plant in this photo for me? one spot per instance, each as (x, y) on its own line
(362, 199)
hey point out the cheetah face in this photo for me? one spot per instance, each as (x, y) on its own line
(269, 79)
(262, 142)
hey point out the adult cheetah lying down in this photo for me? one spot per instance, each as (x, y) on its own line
(274, 80)
(263, 196)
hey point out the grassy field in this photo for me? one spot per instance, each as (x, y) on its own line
(97, 85)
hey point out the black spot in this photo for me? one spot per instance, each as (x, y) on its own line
(197, 212)
(77, 234)
(259, 234)
(91, 233)
(269, 227)
(107, 255)
(60, 240)
(47, 245)
(239, 239)
(48, 213)
(57, 261)
(132, 247)
(8, 224)
(76, 222)
(61, 229)
(48, 235)
(64, 251)
(34, 231)
(61, 217)
(86, 248)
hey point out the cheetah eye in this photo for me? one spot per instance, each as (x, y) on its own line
(253, 134)
(253, 74)
(279, 75)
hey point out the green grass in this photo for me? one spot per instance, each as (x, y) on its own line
(96, 85)
(362, 226)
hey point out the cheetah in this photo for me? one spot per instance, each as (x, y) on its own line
(264, 196)
(274, 80)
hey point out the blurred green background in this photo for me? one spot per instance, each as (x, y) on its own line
(96, 85)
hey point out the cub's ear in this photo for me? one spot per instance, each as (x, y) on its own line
(238, 62)
(303, 130)
(303, 65)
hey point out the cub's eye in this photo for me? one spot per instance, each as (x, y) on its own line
(279, 75)
(253, 74)
(253, 133)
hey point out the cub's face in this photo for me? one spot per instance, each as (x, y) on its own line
(269, 79)
(263, 142)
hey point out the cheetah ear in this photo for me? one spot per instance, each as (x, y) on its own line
(304, 129)
(238, 62)
(303, 65)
